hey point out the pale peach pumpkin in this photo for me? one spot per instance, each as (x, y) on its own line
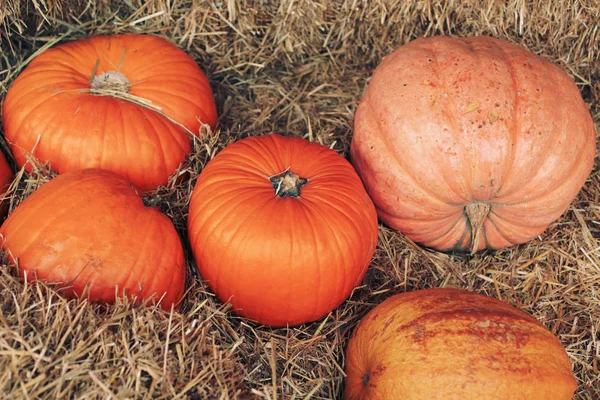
(471, 143)
(454, 344)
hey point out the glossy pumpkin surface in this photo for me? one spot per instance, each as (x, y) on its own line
(281, 228)
(454, 345)
(471, 143)
(89, 232)
(120, 103)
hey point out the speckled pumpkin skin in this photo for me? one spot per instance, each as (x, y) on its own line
(449, 124)
(454, 345)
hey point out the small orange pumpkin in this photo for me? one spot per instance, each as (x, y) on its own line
(281, 228)
(471, 143)
(123, 103)
(89, 232)
(454, 345)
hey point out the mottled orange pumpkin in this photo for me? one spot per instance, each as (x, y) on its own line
(471, 143)
(121, 103)
(281, 228)
(454, 345)
(89, 232)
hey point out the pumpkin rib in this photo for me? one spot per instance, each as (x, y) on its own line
(41, 204)
(158, 140)
(538, 229)
(408, 173)
(125, 139)
(42, 101)
(519, 223)
(217, 226)
(250, 215)
(104, 106)
(60, 139)
(24, 94)
(236, 193)
(333, 194)
(151, 231)
(235, 160)
(317, 266)
(338, 249)
(128, 275)
(162, 257)
(457, 246)
(292, 241)
(548, 143)
(455, 125)
(34, 237)
(104, 134)
(457, 216)
(515, 115)
(243, 165)
(164, 94)
(550, 194)
(267, 156)
(54, 76)
(175, 138)
(500, 231)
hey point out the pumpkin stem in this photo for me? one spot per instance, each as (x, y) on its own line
(287, 184)
(112, 81)
(476, 214)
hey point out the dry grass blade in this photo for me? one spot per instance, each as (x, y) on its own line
(298, 68)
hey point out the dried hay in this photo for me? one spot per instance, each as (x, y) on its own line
(299, 68)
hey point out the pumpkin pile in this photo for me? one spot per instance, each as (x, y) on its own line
(459, 144)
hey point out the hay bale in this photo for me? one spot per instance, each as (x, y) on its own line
(297, 68)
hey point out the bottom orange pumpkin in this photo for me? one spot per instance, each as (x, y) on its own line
(89, 232)
(453, 344)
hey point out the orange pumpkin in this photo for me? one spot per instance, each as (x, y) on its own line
(121, 103)
(281, 228)
(471, 143)
(454, 345)
(89, 232)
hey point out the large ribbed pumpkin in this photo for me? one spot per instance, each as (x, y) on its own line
(454, 345)
(281, 228)
(124, 103)
(471, 143)
(88, 232)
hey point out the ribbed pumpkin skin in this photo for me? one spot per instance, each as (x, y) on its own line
(446, 123)
(281, 260)
(51, 101)
(89, 227)
(454, 345)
